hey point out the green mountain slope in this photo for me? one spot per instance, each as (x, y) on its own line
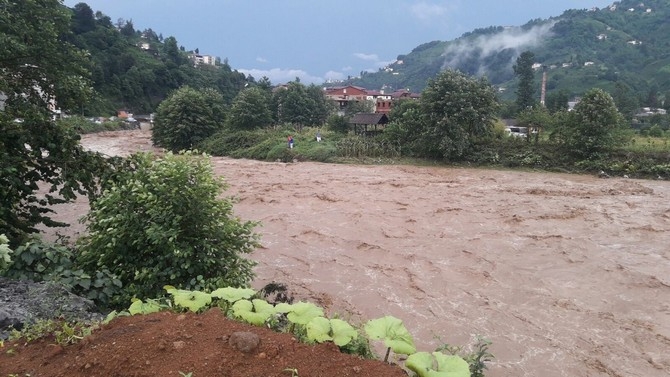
(135, 70)
(628, 43)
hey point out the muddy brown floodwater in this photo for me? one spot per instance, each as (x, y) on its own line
(568, 275)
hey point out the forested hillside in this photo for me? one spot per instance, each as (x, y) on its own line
(136, 69)
(624, 47)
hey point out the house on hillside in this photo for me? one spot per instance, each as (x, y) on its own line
(343, 95)
(368, 124)
(198, 59)
(404, 94)
(382, 101)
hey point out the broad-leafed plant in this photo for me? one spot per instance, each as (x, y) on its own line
(394, 334)
(437, 364)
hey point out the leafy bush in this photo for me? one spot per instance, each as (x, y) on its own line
(225, 142)
(321, 153)
(187, 117)
(163, 222)
(39, 261)
(337, 123)
(595, 127)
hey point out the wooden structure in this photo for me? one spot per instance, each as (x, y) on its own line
(368, 124)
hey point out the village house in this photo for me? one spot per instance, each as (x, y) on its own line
(382, 102)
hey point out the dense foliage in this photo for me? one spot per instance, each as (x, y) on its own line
(453, 112)
(137, 69)
(187, 117)
(301, 105)
(595, 128)
(36, 153)
(524, 70)
(39, 261)
(251, 109)
(162, 222)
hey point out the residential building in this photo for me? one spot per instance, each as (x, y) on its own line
(342, 95)
(203, 59)
(382, 102)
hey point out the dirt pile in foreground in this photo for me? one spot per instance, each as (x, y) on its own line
(165, 344)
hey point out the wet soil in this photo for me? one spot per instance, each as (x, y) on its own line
(568, 275)
(170, 344)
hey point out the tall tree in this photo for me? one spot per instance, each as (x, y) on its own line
(187, 117)
(40, 71)
(652, 97)
(625, 100)
(457, 109)
(82, 20)
(595, 127)
(524, 70)
(250, 109)
(300, 105)
(558, 101)
(321, 108)
(171, 51)
(356, 107)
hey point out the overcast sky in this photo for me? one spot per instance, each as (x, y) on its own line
(318, 40)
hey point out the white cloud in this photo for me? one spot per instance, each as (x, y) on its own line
(374, 60)
(347, 68)
(282, 76)
(514, 38)
(334, 76)
(367, 57)
(426, 11)
(261, 59)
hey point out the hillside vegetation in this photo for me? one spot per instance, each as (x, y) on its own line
(136, 69)
(626, 43)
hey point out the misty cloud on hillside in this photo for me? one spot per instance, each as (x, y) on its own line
(486, 53)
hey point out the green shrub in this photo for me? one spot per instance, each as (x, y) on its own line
(162, 222)
(39, 261)
(337, 123)
(187, 117)
(322, 153)
(227, 142)
(655, 131)
(280, 153)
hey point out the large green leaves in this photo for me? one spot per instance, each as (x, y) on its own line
(140, 307)
(437, 364)
(394, 334)
(191, 300)
(300, 313)
(232, 294)
(321, 329)
(255, 311)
